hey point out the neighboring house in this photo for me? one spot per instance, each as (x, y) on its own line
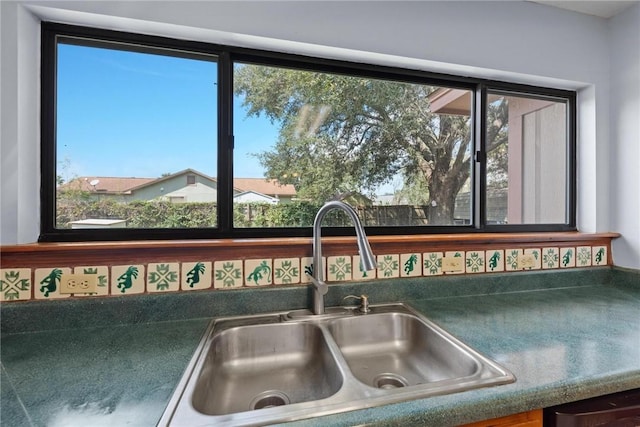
(185, 186)
(255, 197)
(269, 188)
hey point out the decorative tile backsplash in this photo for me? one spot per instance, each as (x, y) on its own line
(286, 271)
(258, 272)
(21, 284)
(228, 274)
(196, 275)
(127, 279)
(47, 282)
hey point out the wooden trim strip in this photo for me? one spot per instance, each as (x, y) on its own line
(440, 239)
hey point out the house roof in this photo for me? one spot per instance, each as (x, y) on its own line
(105, 184)
(117, 185)
(269, 187)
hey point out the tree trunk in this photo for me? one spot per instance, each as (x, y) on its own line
(442, 202)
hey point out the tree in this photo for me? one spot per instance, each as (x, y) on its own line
(344, 135)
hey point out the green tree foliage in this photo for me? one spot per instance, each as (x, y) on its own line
(156, 214)
(344, 135)
(138, 214)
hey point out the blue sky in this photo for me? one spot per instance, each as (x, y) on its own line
(141, 115)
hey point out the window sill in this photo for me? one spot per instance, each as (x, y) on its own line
(78, 253)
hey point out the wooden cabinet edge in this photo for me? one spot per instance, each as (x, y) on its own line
(524, 419)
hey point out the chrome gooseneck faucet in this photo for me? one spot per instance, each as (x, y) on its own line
(366, 256)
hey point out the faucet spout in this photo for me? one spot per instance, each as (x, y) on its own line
(366, 255)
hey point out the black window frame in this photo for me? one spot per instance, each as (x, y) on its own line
(226, 57)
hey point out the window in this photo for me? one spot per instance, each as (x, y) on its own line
(373, 142)
(191, 140)
(527, 160)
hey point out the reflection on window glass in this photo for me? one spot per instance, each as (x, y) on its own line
(398, 152)
(136, 139)
(526, 160)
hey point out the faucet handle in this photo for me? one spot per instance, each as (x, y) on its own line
(364, 302)
(321, 286)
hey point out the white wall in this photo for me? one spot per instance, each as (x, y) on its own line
(625, 133)
(19, 126)
(515, 41)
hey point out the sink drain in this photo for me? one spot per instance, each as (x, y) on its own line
(269, 399)
(389, 381)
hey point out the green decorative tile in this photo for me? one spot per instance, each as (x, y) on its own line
(196, 275)
(511, 259)
(227, 274)
(494, 260)
(15, 284)
(359, 273)
(338, 268)
(257, 272)
(474, 261)
(567, 257)
(388, 266)
(47, 282)
(286, 271)
(102, 279)
(599, 255)
(432, 263)
(306, 268)
(550, 258)
(163, 277)
(583, 256)
(127, 279)
(411, 265)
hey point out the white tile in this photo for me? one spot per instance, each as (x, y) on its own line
(535, 256)
(338, 268)
(163, 277)
(432, 263)
(411, 265)
(583, 256)
(358, 273)
(599, 255)
(453, 262)
(127, 279)
(474, 261)
(306, 268)
(257, 272)
(102, 279)
(511, 259)
(228, 274)
(16, 284)
(197, 275)
(494, 260)
(567, 257)
(47, 282)
(286, 271)
(550, 258)
(388, 266)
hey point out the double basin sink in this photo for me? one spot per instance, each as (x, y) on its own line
(256, 370)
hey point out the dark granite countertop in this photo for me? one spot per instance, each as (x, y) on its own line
(565, 335)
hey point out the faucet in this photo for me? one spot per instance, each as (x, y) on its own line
(366, 256)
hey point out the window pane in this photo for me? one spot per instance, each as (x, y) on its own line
(136, 139)
(526, 160)
(398, 152)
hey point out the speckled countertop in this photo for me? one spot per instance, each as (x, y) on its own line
(565, 335)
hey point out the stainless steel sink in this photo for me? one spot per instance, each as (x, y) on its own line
(260, 366)
(392, 350)
(257, 370)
